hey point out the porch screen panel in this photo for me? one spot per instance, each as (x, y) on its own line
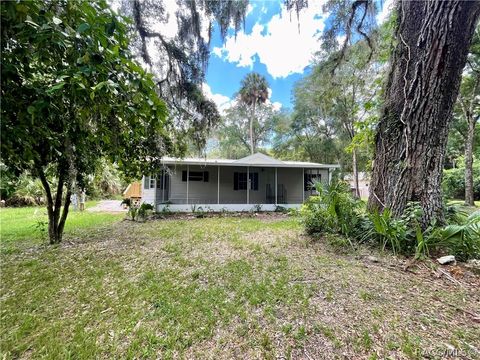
(233, 184)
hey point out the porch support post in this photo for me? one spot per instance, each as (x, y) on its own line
(248, 185)
(303, 185)
(188, 175)
(155, 192)
(163, 185)
(276, 187)
(218, 185)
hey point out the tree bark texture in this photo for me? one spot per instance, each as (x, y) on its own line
(56, 217)
(469, 198)
(433, 39)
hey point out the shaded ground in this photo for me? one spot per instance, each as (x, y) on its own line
(223, 288)
(108, 206)
(29, 225)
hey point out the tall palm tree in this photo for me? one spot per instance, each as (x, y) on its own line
(253, 91)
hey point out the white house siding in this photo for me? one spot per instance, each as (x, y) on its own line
(148, 195)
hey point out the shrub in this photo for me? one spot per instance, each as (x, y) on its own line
(106, 182)
(334, 209)
(141, 212)
(384, 229)
(28, 192)
(461, 240)
(144, 210)
(127, 202)
(453, 183)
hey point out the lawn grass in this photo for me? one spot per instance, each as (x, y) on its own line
(222, 288)
(469, 209)
(29, 224)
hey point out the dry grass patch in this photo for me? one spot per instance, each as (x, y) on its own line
(226, 288)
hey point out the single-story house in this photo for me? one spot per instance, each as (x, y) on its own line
(363, 183)
(257, 181)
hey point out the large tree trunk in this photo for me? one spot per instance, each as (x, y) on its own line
(56, 217)
(433, 39)
(469, 200)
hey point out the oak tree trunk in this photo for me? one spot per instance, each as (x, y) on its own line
(469, 199)
(433, 39)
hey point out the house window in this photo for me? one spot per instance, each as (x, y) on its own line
(195, 176)
(152, 182)
(310, 181)
(240, 181)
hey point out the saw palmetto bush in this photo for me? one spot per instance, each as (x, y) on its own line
(382, 228)
(28, 192)
(461, 240)
(334, 209)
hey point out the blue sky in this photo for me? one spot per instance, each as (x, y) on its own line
(271, 45)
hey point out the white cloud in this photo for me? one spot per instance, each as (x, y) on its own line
(223, 102)
(386, 11)
(278, 44)
(276, 105)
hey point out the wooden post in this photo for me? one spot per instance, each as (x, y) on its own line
(155, 193)
(163, 185)
(218, 185)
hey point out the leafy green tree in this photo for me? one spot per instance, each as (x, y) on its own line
(253, 91)
(71, 94)
(332, 100)
(420, 94)
(178, 56)
(431, 45)
(308, 134)
(106, 181)
(467, 112)
(233, 133)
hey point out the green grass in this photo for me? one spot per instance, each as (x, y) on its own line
(469, 209)
(30, 224)
(215, 288)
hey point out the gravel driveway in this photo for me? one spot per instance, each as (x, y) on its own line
(108, 206)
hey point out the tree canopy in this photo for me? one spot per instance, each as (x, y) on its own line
(178, 58)
(72, 94)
